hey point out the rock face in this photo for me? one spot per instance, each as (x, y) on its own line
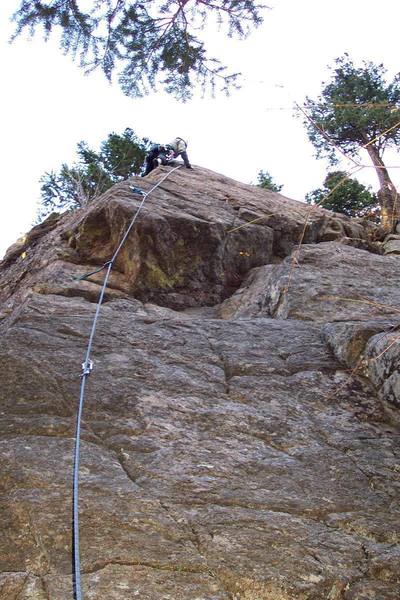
(240, 435)
(320, 282)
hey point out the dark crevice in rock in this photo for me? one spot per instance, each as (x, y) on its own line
(366, 557)
(90, 296)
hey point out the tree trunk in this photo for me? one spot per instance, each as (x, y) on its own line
(387, 195)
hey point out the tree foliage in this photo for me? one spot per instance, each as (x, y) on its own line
(343, 194)
(144, 42)
(354, 109)
(120, 157)
(265, 181)
(359, 110)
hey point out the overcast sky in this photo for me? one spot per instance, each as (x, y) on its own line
(48, 104)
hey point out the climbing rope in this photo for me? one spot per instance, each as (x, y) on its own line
(87, 367)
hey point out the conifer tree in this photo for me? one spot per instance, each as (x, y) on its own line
(343, 194)
(120, 157)
(265, 181)
(147, 43)
(358, 110)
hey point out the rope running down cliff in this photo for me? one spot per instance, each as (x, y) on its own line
(87, 367)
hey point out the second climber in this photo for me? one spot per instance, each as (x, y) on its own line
(162, 154)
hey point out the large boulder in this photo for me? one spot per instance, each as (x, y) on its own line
(196, 239)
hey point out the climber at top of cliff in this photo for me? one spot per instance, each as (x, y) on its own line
(178, 147)
(162, 154)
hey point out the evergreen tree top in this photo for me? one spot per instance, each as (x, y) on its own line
(146, 43)
(357, 107)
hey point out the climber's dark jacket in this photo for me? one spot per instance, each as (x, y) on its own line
(162, 155)
(158, 155)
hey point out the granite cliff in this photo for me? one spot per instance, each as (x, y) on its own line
(241, 429)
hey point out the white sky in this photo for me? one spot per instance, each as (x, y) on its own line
(48, 104)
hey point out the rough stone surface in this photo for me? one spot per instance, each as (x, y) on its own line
(370, 347)
(382, 360)
(229, 452)
(348, 340)
(196, 239)
(320, 282)
(391, 244)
